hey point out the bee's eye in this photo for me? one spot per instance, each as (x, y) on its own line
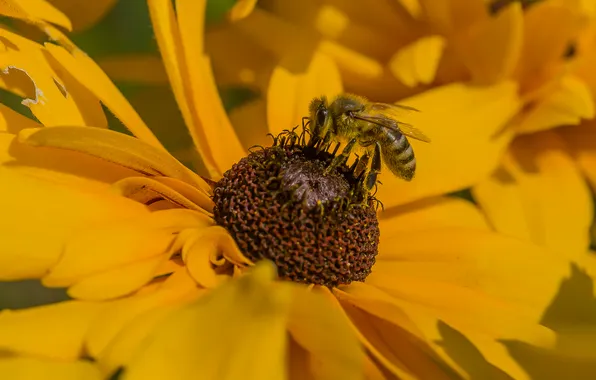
(321, 116)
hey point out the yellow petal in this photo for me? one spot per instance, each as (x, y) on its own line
(581, 141)
(548, 28)
(108, 246)
(381, 325)
(463, 123)
(39, 216)
(206, 247)
(241, 9)
(289, 94)
(321, 330)
(59, 166)
(34, 11)
(47, 95)
(484, 263)
(87, 73)
(13, 122)
(146, 190)
(229, 333)
(539, 195)
(122, 314)
(193, 84)
(567, 104)
(119, 281)
(52, 331)
(28, 368)
(417, 63)
(111, 146)
(450, 16)
(429, 214)
(84, 15)
(492, 49)
(135, 68)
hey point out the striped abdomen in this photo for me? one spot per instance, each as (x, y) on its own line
(397, 153)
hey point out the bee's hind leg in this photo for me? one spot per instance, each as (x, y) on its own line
(342, 158)
(375, 168)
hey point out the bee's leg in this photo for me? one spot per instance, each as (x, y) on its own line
(342, 158)
(375, 168)
(361, 165)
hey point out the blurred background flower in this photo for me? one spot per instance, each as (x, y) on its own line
(508, 106)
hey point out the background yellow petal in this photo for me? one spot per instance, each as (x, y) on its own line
(13, 122)
(417, 63)
(333, 349)
(42, 215)
(34, 11)
(52, 331)
(582, 143)
(289, 94)
(111, 146)
(491, 49)
(241, 9)
(29, 368)
(87, 73)
(136, 68)
(463, 123)
(429, 214)
(83, 14)
(452, 15)
(567, 103)
(485, 263)
(226, 334)
(539, 195)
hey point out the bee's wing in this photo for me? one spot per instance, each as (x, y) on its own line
(390, 123)
(386, 107)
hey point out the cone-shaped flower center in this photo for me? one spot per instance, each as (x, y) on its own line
(279, 204)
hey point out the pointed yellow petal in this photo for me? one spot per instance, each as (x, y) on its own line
(523, 198)
(484, 263)
(13, 122)
(470, 139)
(241, 9)
(568, 103)
(28, 368)
(289, 94)
(431, 213)
(492, 49)
(52, 331)
(84, 15)
(34, 11)
(192, 81)
(111, 146)
(39, 217)
(108, 246)
(417, 62)
(321, 330)
(230, 331)
(136, 68)
(87, 73)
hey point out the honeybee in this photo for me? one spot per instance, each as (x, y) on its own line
(373, 126)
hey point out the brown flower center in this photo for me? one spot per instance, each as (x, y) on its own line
(278, 204)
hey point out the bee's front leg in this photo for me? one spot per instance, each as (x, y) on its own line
(342, 158)
(375, 168)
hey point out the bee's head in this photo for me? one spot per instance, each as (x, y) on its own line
(320, 116)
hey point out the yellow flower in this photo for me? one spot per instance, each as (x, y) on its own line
(132, 233)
